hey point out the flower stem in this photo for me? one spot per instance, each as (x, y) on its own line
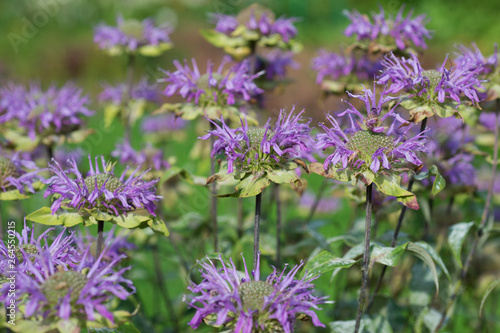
(213, 206)
(128, 93)
(278, 225)
(164, 290)
(258, 202)
(366, 257)
(396, 231)
(482, 224)
(100, 230)
(50, 152)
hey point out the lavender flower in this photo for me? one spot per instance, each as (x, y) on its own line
(335, 66)
(162, 123)
(143, 90)
(403, 31)
(367, 144)
(473, 58)
(64, 293)
(258, 20)
(435, 85)
(254, 149)
(488, 120)
(275, 63)
(55, 111)
(101, 190)
(212, 87)
(247, 304)
(18, 173)
(131, 35)
(147, 158)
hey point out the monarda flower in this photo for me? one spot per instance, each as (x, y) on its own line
(339, 71)
(245, 303)
(63, 293)
(101, 190)
(261, 154)
(432, 91)
(473, 58)
(17, 174)
(254, 25)
(38, 112)
(388, 33)
(131, 36)
(368, 150)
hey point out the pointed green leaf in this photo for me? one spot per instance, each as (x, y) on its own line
(325, 262)
(100, 216)
(390, 185)
(432, 252)
(422, 254)
(12, 195)
(44, 216)
(439, 182)
(154, 50)
(21, 142)
(129, 220)
(158, 226)
(456, 238)
(252, 185)
(110, 113)
(388, 256)
(487, 293)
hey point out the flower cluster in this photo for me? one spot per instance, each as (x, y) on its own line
(212, 87)
(367, 143)
(131, 35)
(17, 173)
(275, 63)
(248, 304)
(256, 19)
(473, 58)
(402, 31)
(407, 74)
(101, 190)
(253, 149)
(338, 65)
(117, 94)
(54, 111)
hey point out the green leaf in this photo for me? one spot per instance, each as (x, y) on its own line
(340, 175)
(252, 185)
(129, 220)
(20, 141)
(456, 238)
(44, 216)
(422, 254)
(12, 195)
(439, 182)
(110, 113)
(280, 176)
(98, 215)
(325, 262)
(388, 256)
(432, 252)
(390, 185)
(158, 226)
(136, 109)
(154, 50)
(487, 293)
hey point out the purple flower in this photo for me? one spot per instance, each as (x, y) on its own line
(162, 123)
(439, 85)
(338, 65)
(212, 87)
(131, 34)
(56, 110)
(18, 173)
(69, 292)
(367, 143)
(117, 94)
(147, 158)
(63, 155)
(473, 58)
(247, 304)
(254, 149)
(276, 62)
(101, 190)
(28, 247)
(259, 20)
(402, 30)
(488, 120)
